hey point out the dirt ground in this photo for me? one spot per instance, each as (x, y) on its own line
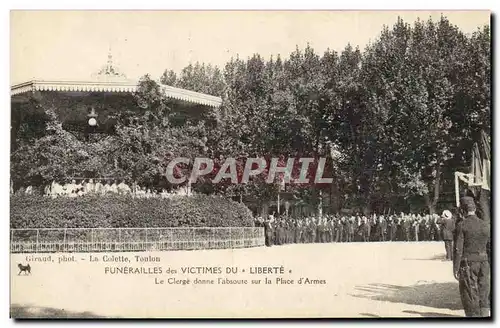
(352, 280)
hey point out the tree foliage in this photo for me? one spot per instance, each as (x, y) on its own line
(395, 119)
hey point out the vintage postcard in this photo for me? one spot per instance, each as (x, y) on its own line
(250, 164)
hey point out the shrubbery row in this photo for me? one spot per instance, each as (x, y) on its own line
(29, 211)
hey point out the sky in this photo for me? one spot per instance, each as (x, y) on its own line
(72, 45)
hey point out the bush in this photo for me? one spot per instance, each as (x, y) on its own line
(30, 211)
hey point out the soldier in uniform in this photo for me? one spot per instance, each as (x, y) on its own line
(438, 228)
(470, 262)
(268, 231)
(399, 229)
(319, 231)
(383, 229)
(326, 230)
(351, 227)
(415, 228)
(278, 236)
(331, 230)
(363, 225)
(380, 228)
(296, 231)
(370, 227)
(284, 231)
(448, 227)
(422, 228)
(406, 229)
(393, 227)
(365, 229)
(287, 230)
(347, 227)
(323, 230)
(305, 230)
(432, 228)
(337, 230)
(286, 224)
(312, 230)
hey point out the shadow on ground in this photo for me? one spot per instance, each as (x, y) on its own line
(432, 314)
(34, 312)
(371, 315)
(439, 257)
(435, 295)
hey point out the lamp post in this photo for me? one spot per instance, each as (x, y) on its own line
(92, 118)
(92, 123)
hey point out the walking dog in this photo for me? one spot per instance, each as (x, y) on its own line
(24, 268)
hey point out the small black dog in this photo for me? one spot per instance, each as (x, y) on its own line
(25, 268)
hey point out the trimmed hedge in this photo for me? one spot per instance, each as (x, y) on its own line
(115, 211)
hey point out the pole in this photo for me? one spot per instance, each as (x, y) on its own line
(457, 196)
(320, 209)
(64, 240)
(194, 238)
(278, 203)
(212, 242)
(473, 166)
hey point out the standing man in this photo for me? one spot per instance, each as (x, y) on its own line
(365, 229)
(98, 188)
(406, 228)
(320, 230)
(470, 262)
(393, 232)
(313, 228)
(350, 229)
(415, 227)
(438, 227)
(345, 229)
(448, 226)
(268, 231)
(382, 228)
(338, 230)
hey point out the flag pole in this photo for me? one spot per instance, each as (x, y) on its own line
(279, 202)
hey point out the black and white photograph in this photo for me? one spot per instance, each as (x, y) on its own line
(250, 164)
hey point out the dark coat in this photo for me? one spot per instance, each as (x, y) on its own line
(472, 241)
(448, 227)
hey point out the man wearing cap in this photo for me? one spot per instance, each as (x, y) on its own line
(470, 261)
(448, 226)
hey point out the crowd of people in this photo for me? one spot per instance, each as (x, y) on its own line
(336, 228)
(103, 187)
(466, 236)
